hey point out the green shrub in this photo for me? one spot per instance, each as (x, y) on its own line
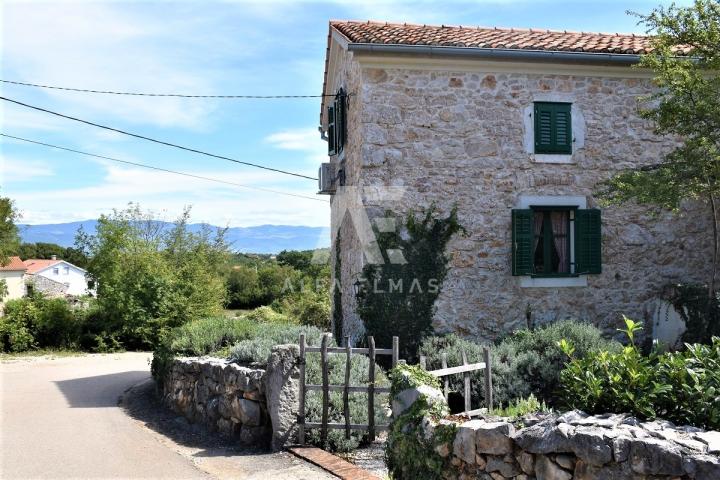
(682, 387)
(523, 363)
(522, 406)
(308, 308)
(266, 314)
(694, 375)
(208, 335)
(17, 324)
(57, 324)
(37, 321)
(266, 335)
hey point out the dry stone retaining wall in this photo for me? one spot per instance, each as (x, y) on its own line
(225, 397)
(577, 446)
(256, 406)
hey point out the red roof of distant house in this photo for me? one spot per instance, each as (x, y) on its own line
(34, 265)
(15, 264)
(488, 37)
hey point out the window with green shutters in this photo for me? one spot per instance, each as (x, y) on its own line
(553, 128)
(556, 241)
(337, 123)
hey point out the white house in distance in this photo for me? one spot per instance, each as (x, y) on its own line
(13, 273)
(56, 277)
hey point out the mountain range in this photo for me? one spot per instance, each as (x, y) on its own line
(257, 239)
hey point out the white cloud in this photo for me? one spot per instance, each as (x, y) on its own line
(214, 203)
(17, 170)
(104, 46)
(302, 139)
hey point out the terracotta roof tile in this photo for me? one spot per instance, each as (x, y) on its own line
(34, 265)
(15, 264)
(484, 37)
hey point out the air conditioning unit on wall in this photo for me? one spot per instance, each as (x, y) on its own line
(326, 179)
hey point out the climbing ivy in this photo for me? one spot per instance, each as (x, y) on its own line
(337, 294)
(399, 298)
(700, 313)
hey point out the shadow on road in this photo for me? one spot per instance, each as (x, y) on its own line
(143, 404)
(98, 391)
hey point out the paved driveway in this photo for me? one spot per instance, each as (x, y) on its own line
(60, 419)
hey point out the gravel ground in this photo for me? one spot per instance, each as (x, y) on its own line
(370, 457)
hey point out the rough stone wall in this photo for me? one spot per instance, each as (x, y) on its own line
(460, 138)
(223, 396)
(577, 446)
(47, 286)
(348, 77)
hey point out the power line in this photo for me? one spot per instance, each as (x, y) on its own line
(217, 180)
(157, 141)
(180, 95)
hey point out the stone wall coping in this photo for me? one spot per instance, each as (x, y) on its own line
(575, 443)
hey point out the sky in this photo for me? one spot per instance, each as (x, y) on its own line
(207, 48)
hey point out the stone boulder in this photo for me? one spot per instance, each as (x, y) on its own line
(281, 384)
(405, 399)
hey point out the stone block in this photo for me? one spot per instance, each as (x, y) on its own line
(494, 438)
(650, 456)
(464, 443)
(590, 445)
(497, 464)
(546, 469)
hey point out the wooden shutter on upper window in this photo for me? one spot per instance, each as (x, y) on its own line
(522, 242)
(340, 120)
(332, 145)
(588, 241)
(553, 128)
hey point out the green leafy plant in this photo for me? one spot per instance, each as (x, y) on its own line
(681, 387)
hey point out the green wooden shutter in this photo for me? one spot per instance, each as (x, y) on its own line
(588, 241)
(553, 128)
(522, 242)
(332, 145)
(340, 119)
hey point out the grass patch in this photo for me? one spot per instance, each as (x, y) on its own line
(43, 352)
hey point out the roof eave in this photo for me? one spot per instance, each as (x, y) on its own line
(498, 53)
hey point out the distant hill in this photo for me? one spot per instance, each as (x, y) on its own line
(259, 239)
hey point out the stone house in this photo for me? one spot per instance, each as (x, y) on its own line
(516, 128)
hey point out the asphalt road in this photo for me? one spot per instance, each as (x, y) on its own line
(60, 419)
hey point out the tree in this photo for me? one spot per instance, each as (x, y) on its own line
(9, 239)
(8, 236)
(685, 59)
(151, 278)
(47, 250)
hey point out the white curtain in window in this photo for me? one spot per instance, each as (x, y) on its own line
(560, 237)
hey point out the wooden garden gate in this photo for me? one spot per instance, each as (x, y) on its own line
(346, 388)
(465, 369)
